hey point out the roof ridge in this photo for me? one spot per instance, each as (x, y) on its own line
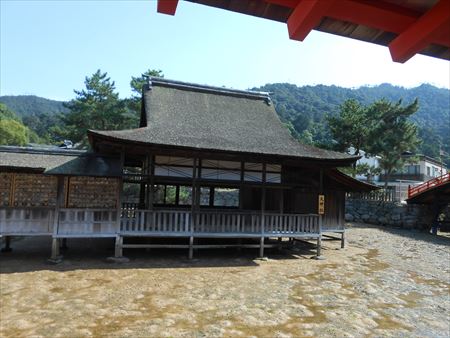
(208, 88)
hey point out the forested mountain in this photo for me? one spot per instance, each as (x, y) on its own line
(24, 105)
(303, 108)
(306, 107)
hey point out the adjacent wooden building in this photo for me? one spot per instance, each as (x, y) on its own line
(206, 162)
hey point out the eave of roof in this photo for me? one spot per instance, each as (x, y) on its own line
(380, 22)
(58, 162)
(352, 184)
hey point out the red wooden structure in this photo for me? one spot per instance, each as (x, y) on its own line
(413, 191)
(407, 27)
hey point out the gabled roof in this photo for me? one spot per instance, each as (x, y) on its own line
(197, 117)
(58, 162)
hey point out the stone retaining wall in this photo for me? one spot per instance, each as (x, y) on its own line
(389, 214)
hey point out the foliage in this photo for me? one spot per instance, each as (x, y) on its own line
(7, 114)
(350, 128)
(314, 103)
(24, 105)
(136, 84)
(96, 107)
(393, 134)
(12, 132)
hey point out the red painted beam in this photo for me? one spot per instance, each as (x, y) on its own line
(167, 6)
(306, 16)
(421, 33)
(367, 14)
(375, 14)
(284, 3)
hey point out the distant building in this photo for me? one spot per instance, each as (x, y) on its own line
(421, 168)
(417, 169)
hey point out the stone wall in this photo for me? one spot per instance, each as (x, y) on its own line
(388, 213)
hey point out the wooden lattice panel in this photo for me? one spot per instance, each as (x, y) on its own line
(5, 188)
(34, 190)
(92, 192)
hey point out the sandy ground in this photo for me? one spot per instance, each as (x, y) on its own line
(385, 283)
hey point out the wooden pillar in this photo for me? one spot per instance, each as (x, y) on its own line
(199, 174)
(55, 257)
(319, 239)
(12, 192)
(241, 186)
(191, 247)
(343, 240)
(263, 209)
(319, 247)
(118, 248)
(60, 201)
(119, 239)
(193, 206)
(149, 174)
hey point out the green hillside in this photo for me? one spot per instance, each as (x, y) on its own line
(306, 107)
(24, 105)
(303, 107)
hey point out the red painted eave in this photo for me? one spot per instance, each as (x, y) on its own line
(167, 6)
(415, 27)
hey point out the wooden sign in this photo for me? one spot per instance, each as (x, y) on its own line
(321, 204)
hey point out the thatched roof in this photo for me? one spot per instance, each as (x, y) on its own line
(57, 162)
(197, 117)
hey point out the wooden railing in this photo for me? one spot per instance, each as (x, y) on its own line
(162, 221)
(27, 220)
(291, 223)
(218, 222)
(103, 222)
(87, 221)
(412, 191)
(227, 222)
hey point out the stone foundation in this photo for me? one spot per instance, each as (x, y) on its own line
(389, 213)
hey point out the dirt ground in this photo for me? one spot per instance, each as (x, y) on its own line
(385, 283)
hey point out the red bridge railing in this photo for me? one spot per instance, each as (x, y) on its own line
(412, 191)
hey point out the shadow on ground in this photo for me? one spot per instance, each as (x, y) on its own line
(32, 253)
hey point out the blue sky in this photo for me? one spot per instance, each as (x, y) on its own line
(48, 47)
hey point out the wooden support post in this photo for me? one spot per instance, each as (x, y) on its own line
(118, 248)
(152, 182)
(194, 194)
(319, 248)
(55, 257)
(199, 175)
(343, 240)
(120, 193)
(7, 247)
(241, 186)
(261, 247)
(191, 247)
(60, 202)
(263, 209)
(319, 239)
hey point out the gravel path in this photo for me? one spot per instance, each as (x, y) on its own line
(386, 283)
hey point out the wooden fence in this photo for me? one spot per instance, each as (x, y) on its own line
(203, 223)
